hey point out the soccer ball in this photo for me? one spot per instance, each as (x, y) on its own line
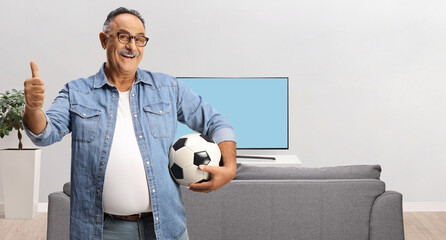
(187, 153)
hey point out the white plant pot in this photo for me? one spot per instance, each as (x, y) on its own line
(20, 177)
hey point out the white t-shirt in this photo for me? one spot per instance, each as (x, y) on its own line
(125, 186)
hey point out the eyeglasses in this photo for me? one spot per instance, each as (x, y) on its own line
(125, 38)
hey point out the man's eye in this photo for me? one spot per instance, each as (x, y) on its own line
(123, 37)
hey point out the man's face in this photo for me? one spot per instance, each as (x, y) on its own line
(123, 58)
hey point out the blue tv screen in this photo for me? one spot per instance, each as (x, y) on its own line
(256, 107)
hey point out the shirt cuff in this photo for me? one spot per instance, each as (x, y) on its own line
(224, 134)
(44, 134)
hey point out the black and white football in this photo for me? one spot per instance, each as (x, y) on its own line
(187, 153)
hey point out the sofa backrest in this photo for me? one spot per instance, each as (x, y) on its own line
(246, 172)
(67, 188)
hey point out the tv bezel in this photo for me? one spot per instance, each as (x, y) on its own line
(287, 111)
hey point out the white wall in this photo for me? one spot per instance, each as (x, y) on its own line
(366, 77)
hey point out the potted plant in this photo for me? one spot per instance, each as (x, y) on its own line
(20, 167)
(12, 105)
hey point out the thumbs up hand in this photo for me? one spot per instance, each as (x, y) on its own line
(34, 89)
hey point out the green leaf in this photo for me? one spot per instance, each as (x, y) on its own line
(12, 105)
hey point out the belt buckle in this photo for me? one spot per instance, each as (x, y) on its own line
(139, 216)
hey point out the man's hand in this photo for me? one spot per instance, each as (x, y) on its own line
(33, 117)
(34, 89)
(219, 175)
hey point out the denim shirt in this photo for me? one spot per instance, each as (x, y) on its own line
(87, 108)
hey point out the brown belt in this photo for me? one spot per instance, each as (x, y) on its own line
(132, 218)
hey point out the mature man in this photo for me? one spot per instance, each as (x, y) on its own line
(123, 121)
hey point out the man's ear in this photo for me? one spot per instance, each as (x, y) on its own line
(103, 38)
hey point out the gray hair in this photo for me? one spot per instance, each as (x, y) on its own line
(106, 27)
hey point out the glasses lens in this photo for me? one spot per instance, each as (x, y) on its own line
(140, 41)
(123, 37)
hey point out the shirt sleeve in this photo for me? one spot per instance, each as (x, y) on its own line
(224, 134)
(200, 116)
(38, 137)
(58, 121)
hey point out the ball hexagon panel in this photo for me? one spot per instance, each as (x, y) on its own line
(214, 153)
(183, 182)
(183, 157)
(192, 174)
(195, 143)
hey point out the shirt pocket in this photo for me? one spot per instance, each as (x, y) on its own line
(84, 123)
(160, 119)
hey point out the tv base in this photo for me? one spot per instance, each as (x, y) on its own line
(255, 157)
(280, 161)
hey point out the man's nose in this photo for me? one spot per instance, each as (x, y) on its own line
(131, 45)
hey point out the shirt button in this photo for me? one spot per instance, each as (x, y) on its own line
(161, 112)
(99, 190)
(107, 137)
(133, 94)
(153, 190)
(113, 95)
(83, 114)
(156, 219)
(111, 116)
(147, 162)
(135, 115)
(97, 218)
(102, 163)
(140, 136)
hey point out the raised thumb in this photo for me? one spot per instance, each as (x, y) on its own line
(34, 69)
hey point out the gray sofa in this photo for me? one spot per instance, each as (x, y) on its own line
(338, 203)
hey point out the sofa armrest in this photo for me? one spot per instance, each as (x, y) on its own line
(386, 220)
(58, 227)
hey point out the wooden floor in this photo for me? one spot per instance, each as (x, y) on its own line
(425, 225)
(417, 226)
(23, 229)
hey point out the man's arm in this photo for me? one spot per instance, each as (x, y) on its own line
(219, 175)
(35, 120)
(33, 117)
(44, 128)
(202, 117)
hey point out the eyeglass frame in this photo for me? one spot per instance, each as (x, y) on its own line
(130, 38)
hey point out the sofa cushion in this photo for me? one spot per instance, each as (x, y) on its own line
(328, 209)
(246, 172)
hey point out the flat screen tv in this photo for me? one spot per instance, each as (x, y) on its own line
(257, 108)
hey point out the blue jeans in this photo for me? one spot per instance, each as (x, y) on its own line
(117, 229)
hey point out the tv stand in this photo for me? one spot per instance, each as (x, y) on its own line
(255, 157)
(270, 160)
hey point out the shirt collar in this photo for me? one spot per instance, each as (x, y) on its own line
(143, 76)
(100, 79)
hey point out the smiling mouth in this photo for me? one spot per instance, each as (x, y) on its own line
(128, 56)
